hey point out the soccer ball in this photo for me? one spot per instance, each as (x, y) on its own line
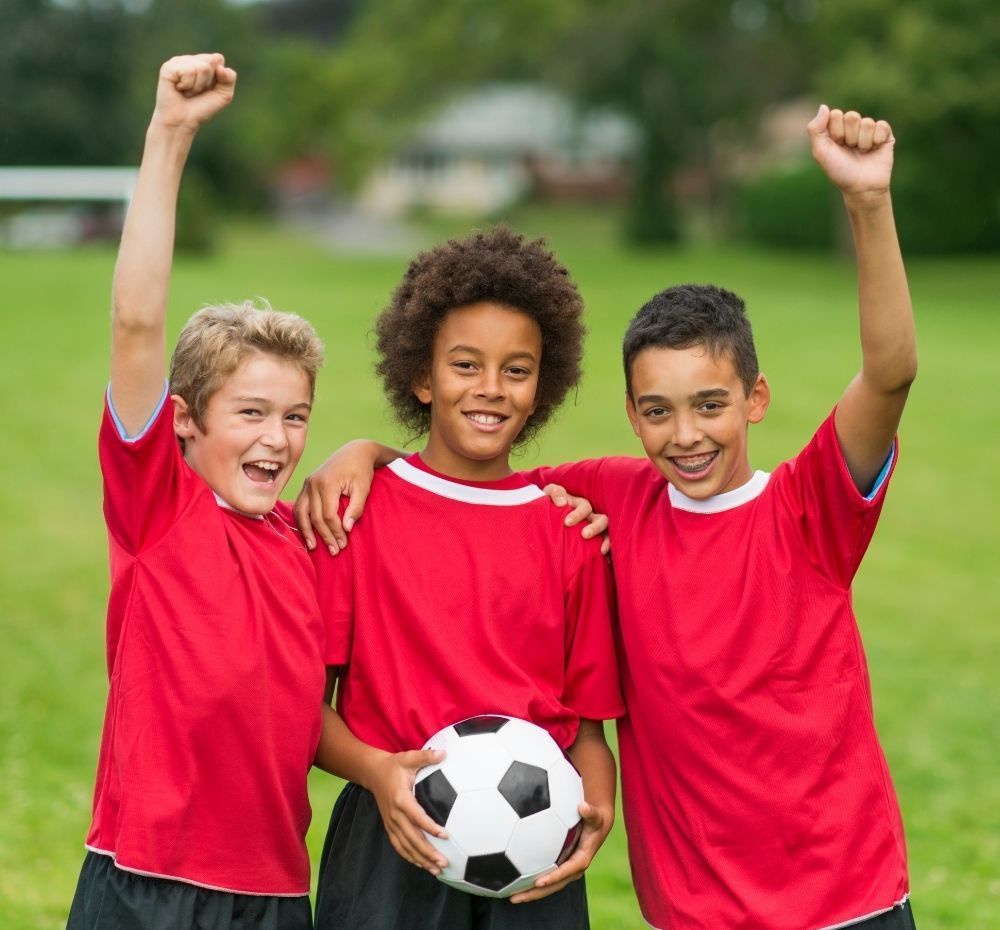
(508, 798)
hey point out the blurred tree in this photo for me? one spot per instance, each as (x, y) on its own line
(224, 162)
(317, 21)
(79, 80)
(931, 68)
(681, 68)
(64, 71)
(403, 58)
(678, 67)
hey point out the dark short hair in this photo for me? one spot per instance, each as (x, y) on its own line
(496, 266)
(694, 315)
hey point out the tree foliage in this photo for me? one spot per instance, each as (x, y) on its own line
(930, 67)
(347, 79)
(678, 67)
(64, 100)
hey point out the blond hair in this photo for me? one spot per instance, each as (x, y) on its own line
(218, 338)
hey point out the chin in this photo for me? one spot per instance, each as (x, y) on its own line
(696, 490)
(254, 504)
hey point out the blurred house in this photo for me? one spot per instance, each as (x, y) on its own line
(780, 141)
(57, 207)
(497, 144)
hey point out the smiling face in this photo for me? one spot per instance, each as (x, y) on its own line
(692, 414)
(254, 432)
(480, 388)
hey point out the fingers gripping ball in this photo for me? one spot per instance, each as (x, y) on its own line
(508, 799)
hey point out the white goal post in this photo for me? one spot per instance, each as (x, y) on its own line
(108, 185)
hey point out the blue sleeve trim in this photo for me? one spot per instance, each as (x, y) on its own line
(882, 475)
(122, 432)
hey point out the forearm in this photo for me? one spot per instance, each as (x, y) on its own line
(389, 777)
(142, 272)
(342, 754)
(595, 762)
(373, 451)
(593, 759)
(888, 340)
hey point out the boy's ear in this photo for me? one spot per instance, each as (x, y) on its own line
(633, 416)
(184, 425)
(422, 388)
(759, 399)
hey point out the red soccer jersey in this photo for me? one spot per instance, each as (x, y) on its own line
(455, 599)
(754, 788)
(214, 649)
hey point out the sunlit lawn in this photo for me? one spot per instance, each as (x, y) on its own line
(928, 595)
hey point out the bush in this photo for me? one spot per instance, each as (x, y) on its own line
(945, 211)
(197, 215)
(792, 207)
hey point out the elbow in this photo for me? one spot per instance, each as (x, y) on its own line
(897, 378)
(907, 373)
(127, 322)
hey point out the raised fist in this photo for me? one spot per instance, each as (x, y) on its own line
(192, 89)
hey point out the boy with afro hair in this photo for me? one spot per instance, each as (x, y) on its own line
(754, 789)
(463, 592)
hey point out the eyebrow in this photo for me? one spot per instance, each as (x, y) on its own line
(707, 394)
(267, 400)
(472, 350)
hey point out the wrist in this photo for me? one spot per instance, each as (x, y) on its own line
(607, 812)
(867, 201)
(161, 132)
(370, 771)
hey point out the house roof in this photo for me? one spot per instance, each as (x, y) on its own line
(525, 119)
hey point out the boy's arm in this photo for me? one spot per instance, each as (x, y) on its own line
(348, 473)
(592, 757)
(389, 777)
(191, 89)
(856, 153)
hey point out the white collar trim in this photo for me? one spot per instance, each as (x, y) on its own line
(464, 492)
(720, 502)
(225, 505)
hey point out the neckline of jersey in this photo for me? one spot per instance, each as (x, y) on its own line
(225, 505)
(465, 493)
(511, 482)
(721, 502)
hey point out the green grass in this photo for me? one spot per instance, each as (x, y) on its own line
(927, 596)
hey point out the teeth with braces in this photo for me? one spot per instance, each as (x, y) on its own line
(690, 463)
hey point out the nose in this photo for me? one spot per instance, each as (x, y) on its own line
(687, 432)
(274, 435)
(490, 384)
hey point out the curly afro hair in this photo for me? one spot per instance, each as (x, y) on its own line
(496, 266)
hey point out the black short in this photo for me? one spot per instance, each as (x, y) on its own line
(365, 885)
(109, 898)
(899, 918)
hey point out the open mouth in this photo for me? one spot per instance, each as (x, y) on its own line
(486, 420)
(261, 472)
(694, 465)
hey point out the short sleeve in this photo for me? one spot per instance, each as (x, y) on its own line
(335, 592)
(836, 520)
(146, 481)
(592, 688)
(580, 478)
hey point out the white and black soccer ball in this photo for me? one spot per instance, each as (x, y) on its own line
(509, 799)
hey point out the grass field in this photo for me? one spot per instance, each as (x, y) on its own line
(928, 595)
